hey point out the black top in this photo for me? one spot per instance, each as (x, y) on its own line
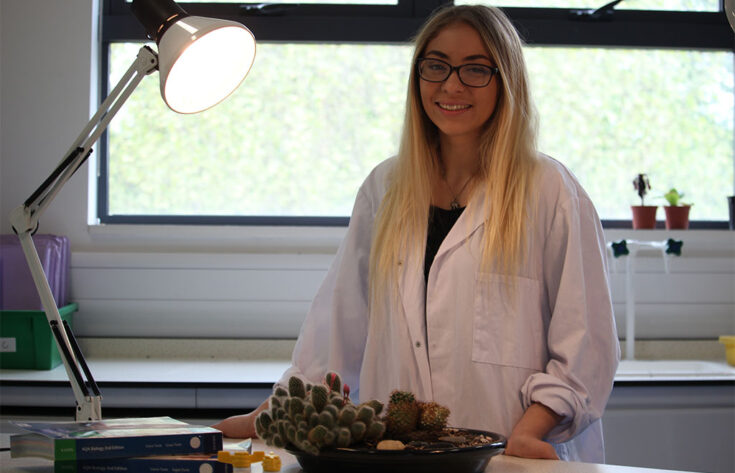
(440, 222)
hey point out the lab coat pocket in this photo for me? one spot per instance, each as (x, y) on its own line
(508, 322)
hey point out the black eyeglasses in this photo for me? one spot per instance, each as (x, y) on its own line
(471, 75)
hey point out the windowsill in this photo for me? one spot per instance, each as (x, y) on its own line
(262, 239)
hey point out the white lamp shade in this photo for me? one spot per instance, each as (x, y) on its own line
(201, 61)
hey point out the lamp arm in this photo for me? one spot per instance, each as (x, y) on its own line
(24, 220)
(145, 63)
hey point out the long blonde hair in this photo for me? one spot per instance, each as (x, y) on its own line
(508, 157)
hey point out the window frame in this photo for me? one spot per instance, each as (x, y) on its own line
(397, 24)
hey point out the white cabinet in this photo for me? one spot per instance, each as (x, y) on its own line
(672, 425)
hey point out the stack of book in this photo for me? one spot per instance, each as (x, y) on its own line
(150, 444)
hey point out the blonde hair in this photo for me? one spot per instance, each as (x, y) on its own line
(508, 157)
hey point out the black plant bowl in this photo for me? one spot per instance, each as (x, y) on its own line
(438, 460)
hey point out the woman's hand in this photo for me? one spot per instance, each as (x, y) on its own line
(527, 446)
(526, 440)
(241, 426)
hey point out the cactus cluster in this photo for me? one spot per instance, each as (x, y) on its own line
(405, 414)
(315, 417)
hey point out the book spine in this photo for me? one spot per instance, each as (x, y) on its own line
(142, 465)
(137, 446)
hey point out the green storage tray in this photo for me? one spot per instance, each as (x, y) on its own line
(26, 341)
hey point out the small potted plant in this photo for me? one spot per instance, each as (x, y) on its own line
(644, 216)
(677, 212)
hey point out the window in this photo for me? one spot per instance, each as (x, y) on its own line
(649, 91)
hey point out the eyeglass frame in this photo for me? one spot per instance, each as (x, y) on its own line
(493, 71)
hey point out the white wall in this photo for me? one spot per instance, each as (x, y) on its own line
(46, 62)
(48, 74)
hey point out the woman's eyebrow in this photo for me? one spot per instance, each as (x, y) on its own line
(477, 56)
(472, 57)
(434, 52)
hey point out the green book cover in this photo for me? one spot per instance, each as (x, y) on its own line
(154, 464)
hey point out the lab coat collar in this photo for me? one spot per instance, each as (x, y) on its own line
(471, 219)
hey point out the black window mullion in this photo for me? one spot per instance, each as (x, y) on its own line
(308, 22)
(382, 23)
(627, 28)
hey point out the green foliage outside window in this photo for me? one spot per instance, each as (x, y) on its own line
(311, 120)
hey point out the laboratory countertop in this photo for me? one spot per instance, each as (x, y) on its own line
(499, 463)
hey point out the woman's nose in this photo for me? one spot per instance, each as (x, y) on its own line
(452, 83)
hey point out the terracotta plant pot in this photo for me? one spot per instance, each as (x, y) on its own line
(677, 218)
(644, 216)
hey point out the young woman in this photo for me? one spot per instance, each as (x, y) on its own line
(473, 272)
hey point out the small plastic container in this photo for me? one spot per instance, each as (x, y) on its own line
(729, 342)
(26, 341)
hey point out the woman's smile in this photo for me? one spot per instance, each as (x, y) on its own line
(453, 107)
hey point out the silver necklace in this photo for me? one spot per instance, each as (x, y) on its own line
(454, 205)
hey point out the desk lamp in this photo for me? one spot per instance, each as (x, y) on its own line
(200, 61)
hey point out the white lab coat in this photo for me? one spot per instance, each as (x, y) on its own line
(461, 341)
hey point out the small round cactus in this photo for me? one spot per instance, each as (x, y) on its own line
(432, 416)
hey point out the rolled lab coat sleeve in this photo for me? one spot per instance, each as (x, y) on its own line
(581, 339)
(332, 337)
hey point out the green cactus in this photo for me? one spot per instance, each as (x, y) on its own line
(326, 419)
(296, 387)
(344, 438)
(295, 407)
(265, 419)
(333, 410)
(308, 447)
(375, 404)
(401, 396)
(291, 433)
(403, 413)
(432, 416)
(277, 441)
(312, 418)
(319, 397)
(347, 416)
(402, 417)
(333, 382)
(358, 430)
(365, 413)
(337, 402)
(375, 431)
(317, 435)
